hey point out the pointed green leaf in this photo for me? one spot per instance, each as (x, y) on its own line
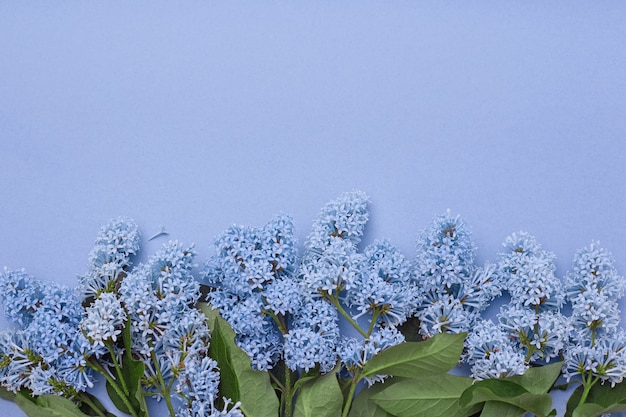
(48, 406)
(594, 410)
(573, 401)
(436, 355)
(507, 392)
(320, 397)
(606, 395)
(6, 394)
(116, 399)
(538, 380)
(364, 406)
(602, 399)
(220, 351)
(29, 405)
(425, 397)
(498, 409)
(132, 372)
(238, 381)
(302, 380)
(94, 407)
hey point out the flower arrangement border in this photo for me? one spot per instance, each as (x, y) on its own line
(258, 333)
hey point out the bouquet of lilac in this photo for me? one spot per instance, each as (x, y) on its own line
(137, 328)
(336, 330)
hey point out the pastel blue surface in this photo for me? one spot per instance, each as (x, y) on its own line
(200, 115)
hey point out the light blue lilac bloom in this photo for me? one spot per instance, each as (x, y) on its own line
(454, 289)
(64, 332)
(248, 258)
(254, 286)
(355, 353)
(22, 296)
(344, 218)
(597, 346)
(198, 386)
(47, 353)
(316, 326)
(331, 263)
(338, 268)
(385, 286)
(491, 354)
(110, 257)
(376, 284)
(165, 327)
(528, 275)
(533, 319)
(540, 336)
(104, 320)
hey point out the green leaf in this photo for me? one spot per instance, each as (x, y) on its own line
(606, 395)
(6, 394)
(132, 372)
(302, 380)
(345, 384)
(116, 399)
(95, 404)
(498, 409)
(434, 356)
(238, 381)
(573, 401)
(425, 397)
(48, 406)
(594, 410)
(602, 399)
(320, 397)
(364, 406)
(507, 392)
(538, 380)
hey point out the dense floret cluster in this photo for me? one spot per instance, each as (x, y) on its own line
(455, 290)
(597, 346)
(67, 337)
(48, 353)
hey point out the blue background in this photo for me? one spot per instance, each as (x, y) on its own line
(200, 115)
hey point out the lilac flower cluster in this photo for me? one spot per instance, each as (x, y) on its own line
(533, 319)
(491, 354)
(377, 284)
(455, 290)
(355, 353)
(597, 348)
(285, 307)
(47, 354)
(331, 263)
(528, 273)
(256, 289)
(168, 334)
(110, 258)
(104, 320)
(533, 327)
(66, 336)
